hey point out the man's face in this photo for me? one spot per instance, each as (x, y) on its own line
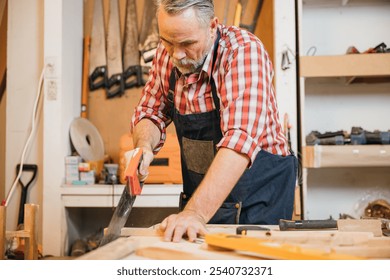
(186, 39)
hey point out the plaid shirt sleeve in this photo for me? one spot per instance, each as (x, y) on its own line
(249, 113)
(152, 103)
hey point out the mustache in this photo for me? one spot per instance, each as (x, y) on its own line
(184, 62)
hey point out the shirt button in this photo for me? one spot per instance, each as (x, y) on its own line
(184, 196)
(237, 205)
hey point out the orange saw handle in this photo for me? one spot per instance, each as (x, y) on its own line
(133, 184)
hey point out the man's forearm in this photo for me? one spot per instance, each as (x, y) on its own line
(146, 135)
(224, 172)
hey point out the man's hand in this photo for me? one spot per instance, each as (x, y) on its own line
(186, 223)
(147, 158)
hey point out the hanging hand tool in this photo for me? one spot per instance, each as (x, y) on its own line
(149, 36)
(132, 189)
(251, 10)
(84, 82)
(98, 63)
(133, 75)
(115, 84)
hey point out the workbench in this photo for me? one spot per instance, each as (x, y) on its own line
(147, 243)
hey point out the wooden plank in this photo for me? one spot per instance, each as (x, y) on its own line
(115, 250)
(17, 233)
(315, 237)
(2, 231)
(361, 225)
(319, 156)
(347, 65)
(31, 226)
(187, 251)
(273, 250)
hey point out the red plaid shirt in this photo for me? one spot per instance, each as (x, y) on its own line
(243, 76)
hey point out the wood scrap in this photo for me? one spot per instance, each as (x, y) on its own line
(273, 250)
(359, 244)
(187, 251)
(115, 250)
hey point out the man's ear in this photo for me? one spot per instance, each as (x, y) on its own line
(213, 25)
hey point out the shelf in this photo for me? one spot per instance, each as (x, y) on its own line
(346, 156)
(351, 65)
(108, 195)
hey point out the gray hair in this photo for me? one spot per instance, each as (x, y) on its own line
(204, 8)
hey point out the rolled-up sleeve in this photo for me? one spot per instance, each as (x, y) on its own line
(152, 104)
(245, 89)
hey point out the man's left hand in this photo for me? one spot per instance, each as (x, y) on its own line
(186, 223)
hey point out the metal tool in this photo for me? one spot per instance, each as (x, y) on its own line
(149, 35)
(351, 225)
(247, 10)
(98, 63)
(307, 224)
(132, 189)
(243, 230)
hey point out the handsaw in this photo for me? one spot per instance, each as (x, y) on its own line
(115, 84)
(97, 62)
(251, 10)
(84, 82)
(149, 37)
(132, 189)
(131, 56)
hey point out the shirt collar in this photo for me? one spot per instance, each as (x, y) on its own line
(205, 71)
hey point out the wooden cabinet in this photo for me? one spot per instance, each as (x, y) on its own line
(339, 91)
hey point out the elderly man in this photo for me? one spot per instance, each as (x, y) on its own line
(215, 84)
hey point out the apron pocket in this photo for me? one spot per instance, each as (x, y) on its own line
(198, 154)
(228, 213)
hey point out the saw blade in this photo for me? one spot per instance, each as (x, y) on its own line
(97, 59)
(149, 36)
(131, 54)
(119, 218)
(114, 51)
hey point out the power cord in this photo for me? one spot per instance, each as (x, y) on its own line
(33, 124)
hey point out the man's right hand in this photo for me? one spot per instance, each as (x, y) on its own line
(147, 158)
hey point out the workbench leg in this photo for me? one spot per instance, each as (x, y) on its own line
(2, 231)
(30, 225)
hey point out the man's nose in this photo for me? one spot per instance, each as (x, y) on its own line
(178, 53)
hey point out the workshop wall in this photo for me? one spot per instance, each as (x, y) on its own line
(112, 116)
(24, 60)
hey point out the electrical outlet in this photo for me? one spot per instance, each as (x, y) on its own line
(51, 89)
(51, 70)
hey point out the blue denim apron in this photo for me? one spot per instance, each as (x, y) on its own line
(265, 192)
